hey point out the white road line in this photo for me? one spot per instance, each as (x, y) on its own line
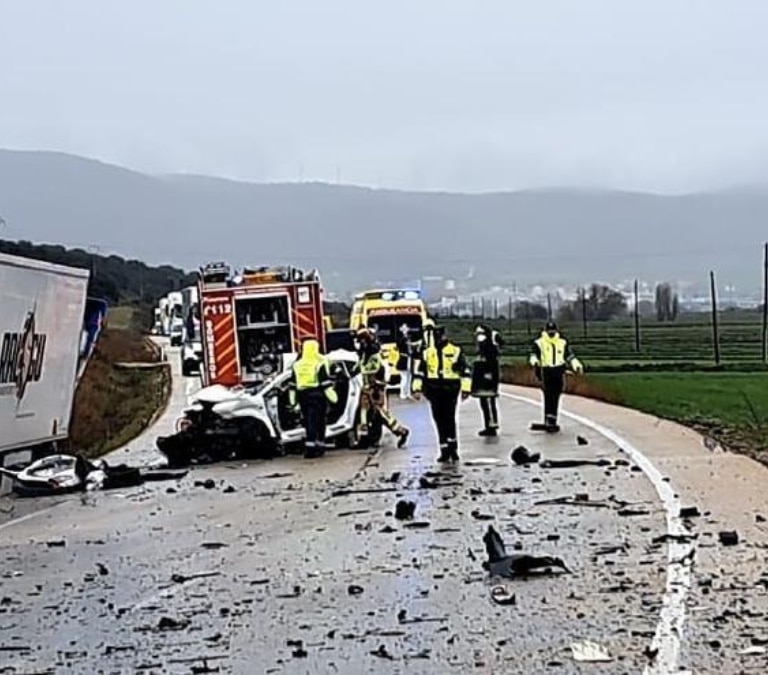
(30, 516)
(669, 629)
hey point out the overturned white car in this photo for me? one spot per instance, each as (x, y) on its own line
(250, 422)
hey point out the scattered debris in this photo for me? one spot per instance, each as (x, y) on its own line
(405, 510)
(573, 463)
(208, 484)
(361, 491)
(230, 489)
(382, 653)
(103, 570)
(576, 500)
(355, 590)
(522, 456)
(477, 515)
(590, 652)
(481, 461)
(501, 596)
(59, 543)
(290, 596)
(675, 538)
(419, 525)
(346, 514)
(729, 538)
(517, 565)
(169, 624)
(426, 484)
(612, 550)
(184, 578)
(753, 651)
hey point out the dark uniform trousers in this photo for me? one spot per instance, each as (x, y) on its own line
(552, 382)
(490, 412)
(313, 405)
(443, 399)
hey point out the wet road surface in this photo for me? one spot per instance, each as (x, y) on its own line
(301, 572)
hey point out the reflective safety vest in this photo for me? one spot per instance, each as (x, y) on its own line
(307, 372)
(371, 364)
(554, 351)
(444, 364)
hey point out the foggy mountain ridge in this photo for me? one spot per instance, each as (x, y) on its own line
(359, 235)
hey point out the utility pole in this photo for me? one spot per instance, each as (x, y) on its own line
(765, 303)
(637, 319)
(583, 298)
(715, 331)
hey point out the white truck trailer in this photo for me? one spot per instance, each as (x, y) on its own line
(42, 308)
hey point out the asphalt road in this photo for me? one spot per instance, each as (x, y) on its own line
(310, 575)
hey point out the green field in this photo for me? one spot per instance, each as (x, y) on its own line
(608, 346)
(674, 375)
(730, 407)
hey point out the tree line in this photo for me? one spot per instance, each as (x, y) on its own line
(598, 303)
(115, 279)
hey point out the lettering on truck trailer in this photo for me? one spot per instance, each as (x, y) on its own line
(22, 356)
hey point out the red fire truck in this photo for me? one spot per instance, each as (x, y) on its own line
(253, 323)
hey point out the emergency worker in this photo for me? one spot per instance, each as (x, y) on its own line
(551, 357)
(373, 401)
(311, 387)
(404, 360)
(443, 375)
(425, 340)
(486, 373)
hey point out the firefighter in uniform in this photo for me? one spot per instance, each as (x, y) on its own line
(311, 387)
(551, 356)
(442, 376)
(374, 395)
(486, 373)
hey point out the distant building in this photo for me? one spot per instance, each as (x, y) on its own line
(432, 288)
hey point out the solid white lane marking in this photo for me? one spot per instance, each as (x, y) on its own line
(30, 516)
(669, 629)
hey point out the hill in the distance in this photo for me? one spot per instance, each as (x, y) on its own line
(358, 236)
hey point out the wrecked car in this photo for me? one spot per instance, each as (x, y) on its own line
(258, 422)
(63, 474)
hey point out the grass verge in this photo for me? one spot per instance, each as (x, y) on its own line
(114, 404)
(729, 407)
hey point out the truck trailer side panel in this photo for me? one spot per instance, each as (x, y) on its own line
(41, 321)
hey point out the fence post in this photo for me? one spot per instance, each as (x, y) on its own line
(765, 303)
(715, 331)
(637, 319)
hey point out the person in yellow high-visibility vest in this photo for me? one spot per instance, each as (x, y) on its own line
(443, 375)
(311, 387)
(551, 357)
(373, 400)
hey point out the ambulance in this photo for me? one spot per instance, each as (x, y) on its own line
(390, 313)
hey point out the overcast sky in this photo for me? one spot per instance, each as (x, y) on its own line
(663, 95)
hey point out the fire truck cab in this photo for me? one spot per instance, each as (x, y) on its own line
(253, 322)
